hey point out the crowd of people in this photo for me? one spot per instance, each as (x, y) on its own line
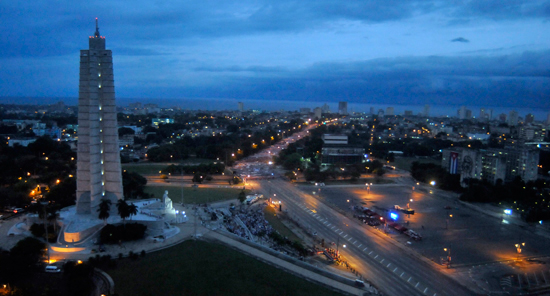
(252, 219)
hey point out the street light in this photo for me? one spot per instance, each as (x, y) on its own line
(448, 256)
(518, 248)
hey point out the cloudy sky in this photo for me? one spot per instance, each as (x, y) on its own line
(492, 53)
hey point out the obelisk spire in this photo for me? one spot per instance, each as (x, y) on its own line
(96, 28)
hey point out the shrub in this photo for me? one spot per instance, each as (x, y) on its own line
(111, 234)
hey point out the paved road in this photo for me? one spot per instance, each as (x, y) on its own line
(395, 271)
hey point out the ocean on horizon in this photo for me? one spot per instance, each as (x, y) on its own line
(272, 105)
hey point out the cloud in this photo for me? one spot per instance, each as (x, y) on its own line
(506, 80)
(460, 39)
(45, 30)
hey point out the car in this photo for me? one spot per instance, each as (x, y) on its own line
(52, 268)
(447, 207)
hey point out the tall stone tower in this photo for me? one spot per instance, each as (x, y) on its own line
(98, 167)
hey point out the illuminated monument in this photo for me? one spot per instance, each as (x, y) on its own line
(98, 167)
(98, 172)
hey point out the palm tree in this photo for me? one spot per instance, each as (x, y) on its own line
(104, 208)
(53, 214)
(123, 209)
(132, 209)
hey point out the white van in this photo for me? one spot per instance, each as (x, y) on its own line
(52, 268)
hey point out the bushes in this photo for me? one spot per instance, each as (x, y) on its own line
(111, 234)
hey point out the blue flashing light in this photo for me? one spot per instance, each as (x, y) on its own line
(508, 212)
(393, 216)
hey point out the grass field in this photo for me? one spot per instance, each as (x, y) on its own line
(201, 268)
(269, 214)
(195, 195)
(151, 168)
(404, 163)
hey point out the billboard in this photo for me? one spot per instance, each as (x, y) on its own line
(453, 169)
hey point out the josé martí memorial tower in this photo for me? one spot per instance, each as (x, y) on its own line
(98, 166)
(98, 172)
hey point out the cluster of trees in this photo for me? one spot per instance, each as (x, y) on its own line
(228, 147)
(305, 155)
(112, 234)
(532, 198)
(428, 172)
(204, 169)
(22, 169)
(283, 241)
(20, 264)
(133, 185)
(124, 209)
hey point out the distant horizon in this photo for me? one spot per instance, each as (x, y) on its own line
(221, 104)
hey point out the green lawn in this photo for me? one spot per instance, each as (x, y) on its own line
(195, 195)
(404, 163)
(270, 216)
(145, 168)
(151, 168)
(201, 268)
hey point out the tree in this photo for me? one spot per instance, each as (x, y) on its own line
(123, 209)
(197, 178)
(290, 175)
(103, 210)
(27, 252)
(242, 196)
(52, 215)
(125, 131)
(293, 161)
(133, 184)
(132, 209)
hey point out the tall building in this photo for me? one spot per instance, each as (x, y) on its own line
(491, 164)
(513, 118)
(529, 118)
(241, 106)
(482, 114)
(342, 108)
(463, 113)
(317, 112)
(426, 112)
(98, 167)
(389, 111)
(336, 150)
(548, 119)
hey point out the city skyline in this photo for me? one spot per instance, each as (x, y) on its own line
(414, 53)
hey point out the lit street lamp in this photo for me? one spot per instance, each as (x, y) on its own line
(448, 256)
(518, 248)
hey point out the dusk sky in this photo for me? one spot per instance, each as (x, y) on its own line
(491, 53)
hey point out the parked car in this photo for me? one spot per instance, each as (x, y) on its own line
(52, 268)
